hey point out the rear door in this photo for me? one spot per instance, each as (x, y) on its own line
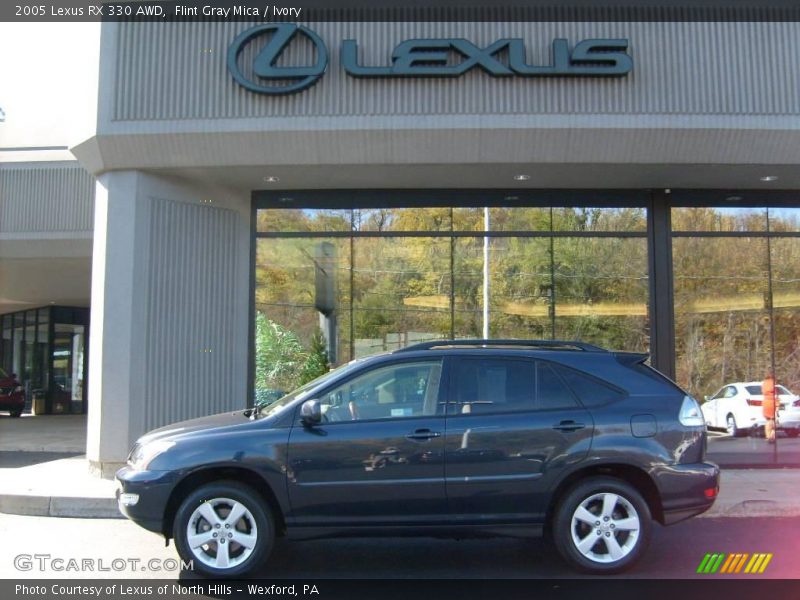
(512, 425)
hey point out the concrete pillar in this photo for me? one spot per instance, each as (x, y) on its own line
(170, 299)
(115, 323)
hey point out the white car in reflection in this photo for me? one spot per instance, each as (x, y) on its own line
(737, 408)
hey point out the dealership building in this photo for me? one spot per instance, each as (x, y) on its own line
(626, 183)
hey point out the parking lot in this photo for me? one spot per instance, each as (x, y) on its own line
(752, 451)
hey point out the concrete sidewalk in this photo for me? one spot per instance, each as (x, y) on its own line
(64, 488)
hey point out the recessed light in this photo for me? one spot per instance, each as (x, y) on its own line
(511, 198)
(521, 177)
(734, 198)
(769, 178)
(271, 179)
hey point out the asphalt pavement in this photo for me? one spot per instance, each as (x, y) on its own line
(675, 552)
(749, 452)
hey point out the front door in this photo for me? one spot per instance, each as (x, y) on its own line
(513, 426)
(378, 456)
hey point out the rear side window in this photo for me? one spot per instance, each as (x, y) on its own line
(590, 391)
(551, 393)
(494, 385)
(489, 385)
(753, 389)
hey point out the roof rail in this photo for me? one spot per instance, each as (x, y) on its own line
(545, 344)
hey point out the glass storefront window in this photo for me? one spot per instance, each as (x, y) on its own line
(785, 256)
(303, 220)
(738, 218)
(722, 329)
(401, 292)
(371, 291)
(67, 366)
(45, 348)
(402, 219)
(784, 219)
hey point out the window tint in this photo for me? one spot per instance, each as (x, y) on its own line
(730, 392)
(753, 389)
(551, 391)
(390, 392)
(494, 385)
(589, 390)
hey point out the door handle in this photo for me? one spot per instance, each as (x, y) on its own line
(569, 426)
(423, 434)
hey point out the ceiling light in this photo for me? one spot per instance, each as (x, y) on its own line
(271, 179)
(521, 177)
(769, 178)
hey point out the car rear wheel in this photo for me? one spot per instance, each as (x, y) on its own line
(225, 529)
(602, 526)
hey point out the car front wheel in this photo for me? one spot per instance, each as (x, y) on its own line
(225, 529)
(602, 526)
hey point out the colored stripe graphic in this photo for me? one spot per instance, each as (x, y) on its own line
(765, 563)
(741, 562)
(703, 563)
(728, 563)
(719, 562)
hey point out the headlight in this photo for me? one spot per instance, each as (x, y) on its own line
(18, 390)
(143, 454)
(690, 414)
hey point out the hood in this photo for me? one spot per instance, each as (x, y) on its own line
(188, 428)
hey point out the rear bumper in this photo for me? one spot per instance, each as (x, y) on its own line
(686, 490)
(12, 401)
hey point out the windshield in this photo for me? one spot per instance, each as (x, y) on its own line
(271, 408)
(3, 374)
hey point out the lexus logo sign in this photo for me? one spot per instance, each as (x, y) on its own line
(446, 57)
(264, 67)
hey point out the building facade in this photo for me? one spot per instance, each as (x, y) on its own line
(630, 184)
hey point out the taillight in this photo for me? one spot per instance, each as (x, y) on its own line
(751, 402)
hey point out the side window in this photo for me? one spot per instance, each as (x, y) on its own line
(730, 392)
(590, 391)
(408, 389)
(494, 385)
(551, 393)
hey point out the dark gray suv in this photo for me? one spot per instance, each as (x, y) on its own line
(467, 437)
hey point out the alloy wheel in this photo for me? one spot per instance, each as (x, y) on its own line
(605, 527)
(221, 533)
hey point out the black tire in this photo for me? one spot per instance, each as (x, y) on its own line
(595, 557)
(16, 413)
(732, 428)
(258, 521)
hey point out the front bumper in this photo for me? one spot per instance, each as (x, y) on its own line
(153, 489)
(686, 489)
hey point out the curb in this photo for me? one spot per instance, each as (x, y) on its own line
(60, 506)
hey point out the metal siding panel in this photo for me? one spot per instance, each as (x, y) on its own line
(177, 71)
(46, 198)
(191, 308)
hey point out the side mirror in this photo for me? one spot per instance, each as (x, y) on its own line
(311, 413)
(705, 398)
